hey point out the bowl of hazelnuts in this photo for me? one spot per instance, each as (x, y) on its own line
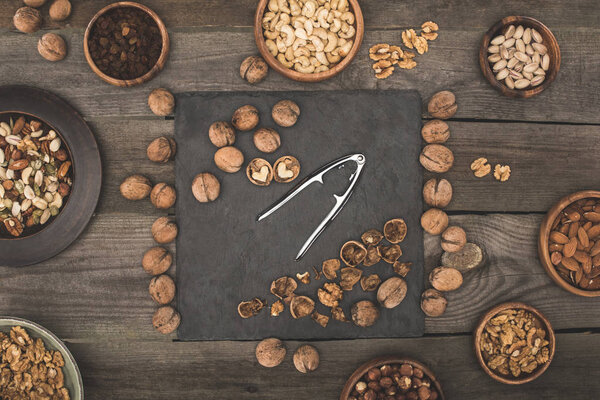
(392, 377)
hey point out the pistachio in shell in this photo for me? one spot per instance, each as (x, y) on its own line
(330, 268)
(372, 257)
(284, 287)
(349, 277)
(353, 253)
(370, 283)
(371, 237)
(286, 169)
(395, 230)
(301, 306)
(260, 172)
(364, 313)
(330, 295)
(250, 308)
(390, 253)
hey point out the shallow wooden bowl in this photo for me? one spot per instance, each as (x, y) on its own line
(162, 59)
(480, 328)
(359, 26)
(378, 362)
(544, 235)
(549, 41)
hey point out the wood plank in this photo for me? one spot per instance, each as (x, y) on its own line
(208, 60)
(228, 370)
(378, 13)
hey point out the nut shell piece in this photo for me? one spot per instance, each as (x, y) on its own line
(306, 359)
(163, 196)
(301, 306)
(434, 221)
(267, 140)
(353, 253)
(157, 260)
(286, 169)
(245, 118)
(370, 283)
(164, 230)
(395, 230)
(162, 149)
(285, 113)
(52, 47)
(166, 320)
(391, 292)
(27, 20)
(330, 268)
(364, 313)
(445, 279)
(371, 237)
(437, 192)
(373, 256)
(161, 102)
(349, 276)
(270, 352)
(390, 253)
(254, 69)
(433, 303)
(162, 289)
(221, 134)
(250, 308)
(284, 287)
(136, 187)
(229, 159)
(260, 172)
(206, 187)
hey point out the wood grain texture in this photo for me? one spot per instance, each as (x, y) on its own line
(229, 371)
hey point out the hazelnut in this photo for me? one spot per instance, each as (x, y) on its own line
(157, 261)
(27, 20)
(286, 169)
(52, 47)
(353, 253)
(442, 105)
(229, 159)
(424, 393)
(163, 196)
(370, 395)
(221, 134)
(361, 386)
(395, 230)
(166, 320)
(454, 239)
(206, 187)
(161, 102)
(285, 113)
(433, 303)
(164, 230)
(436, 158)
(162, 149)
(406, 370)
(437, 192)
(267, 140)
(259, 172)
(391, 292)
(445, 279)
(254, 69)
(135, 187)
(245, 118)
(374, 374)
(386, 370)
(435, 131)
(162, 289)
(270, 352)
(364, 313)
(60, 10)
(434, 221)
(418, 372)
(34, 3)
(306, 359)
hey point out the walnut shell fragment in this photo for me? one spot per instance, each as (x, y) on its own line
(277, 308)
(270, 352)
(303, 277)
(402, 268)
(330, 295)
(390, 253)
(370, 283)
(284, 287)
(349, 277)
(372, 257)
(248, 309)
(391, 292)
(330, 268)
(301, 306)
(320, 319)
(338, 314)
(364, 313)
(371, 237)
(353, 253)
(445, 279)
(395, 230)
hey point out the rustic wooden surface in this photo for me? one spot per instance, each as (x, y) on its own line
(94, 295)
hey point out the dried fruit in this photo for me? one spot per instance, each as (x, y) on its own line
(433, 303)
(435, 131)
(391, 292)
(259, 172)
(330, 295)
(454, 239)
(251, 308)
(267, 140)
(445, 279)
(480, 167)
(370, 283)
(285, 113)
(254, 69)
(27, 20)
(162, 289)
(286, 169)
(270, 352)
(502, 172)
(437, 192)
(353, 253)
(161, 149)
(442, 105)
(229, 159)
(52, 47)
(284, 287)
(166, 320)
(364, 313)
(136, 187)
(301, 306)
(395, 230)
(221, 134)
(157, 261)
(436, 158)
(330, 267)
(349, 276)
(161, 102)
(371, 237)
(206, 187)
(389, 253)
(164, 230)
(306, 359)
(434, 221)
(245, 118)
(163, 196)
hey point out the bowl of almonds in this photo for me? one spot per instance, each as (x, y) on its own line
(569, 243)
(519, 56)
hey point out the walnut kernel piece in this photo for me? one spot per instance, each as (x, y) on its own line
(303, 277)
(349, 277)
(260, 172)
(371, 237)
(320, 319)
(370, 283)
(250, 308)
(270, 352)
(380, 51)
(301, 306)
(364, 313)
(330, 267)
(284, 287)
(353, 253)
(429, 26)
(406, 63)
(480, 167)
(395, 230)
(206, 187)
(502, 172)
(384, 73)
(373, 256)
(390, 253)
(166, 320)
(306, 359)
(286, 169)
(445, 279)
(330, 295)
(408, 38)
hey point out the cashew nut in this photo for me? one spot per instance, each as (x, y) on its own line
(298, 43)
(342, 5)
(319, 46)
(273, 6)
(348, 34)
(321, 57)
(304, 70)
(322, 18)
(309, 9)
(299, 21)
(289, 54)
(311, 47)
(272, 47)
(283, 61)
(274, 22)
(334, 4)
(333, 58)
(302, 60)
(295, 8)
(308, 27)
(268, 17)
(336, 25)
(320, 33)
(280, 44)
(332, 41)
(271, 35)
(301, 33)
(288, 35)
(348, 17)
(345, 49)
(302, 51)
(345, 27)
(321, 68)
(314, 61)
(283, 6)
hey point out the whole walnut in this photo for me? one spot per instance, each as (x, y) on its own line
(391, 292)
(434, 221)
(285, 113)
(270, 352)
(442, 105)
(163, 196)
(157, 261)
(267, 140)
(454, 239)
(60, 10)
(445, 279)
(433, 303)
(437, 192)
(245, 118)
(306, 359)
(52, 47)
(162, 149)
(136, 187)
(229, 159)
(254, 69)
(34, 3)
(166, 319)
(162, 289)
(435, 131)
(364, 313)
(436, 158)
(221, 134)
(206, 187)
(27, 19)
(161, 102)
(164, 230)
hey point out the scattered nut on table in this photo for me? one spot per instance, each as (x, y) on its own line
(442, 105)
(254, 69)
(52, 47)
(445, 279)
(371, 237)
(270, 352)
(364, 313)
(163, 196)
(166, 320)
(161, 102)
(285, 113)
(136, 187)
(27, 20)
(267, 140)
(433, 303)
(229, 159)
(157, 260)
(206, 187)
(164, 230)
(245, 118)
(306, 359)
(389, 254)
(436, 158)
(221, 134)
(437, 192)
(162, 149)
(60, 10)
(301, 306)
(454, 239)
(286, 169)
(260, 172)
(250, 308)
(435, 132)
(434, 221)
(480, 167)
(162, 289)
(391, 292)
(502, 172)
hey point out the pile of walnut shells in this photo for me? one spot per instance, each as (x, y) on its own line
(342, 275)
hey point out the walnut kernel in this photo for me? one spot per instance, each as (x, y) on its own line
(286, 169)
(353, 253)
(259, 172)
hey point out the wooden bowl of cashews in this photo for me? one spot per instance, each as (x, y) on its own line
(308, 40)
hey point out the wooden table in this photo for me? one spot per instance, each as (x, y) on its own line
(94, 295)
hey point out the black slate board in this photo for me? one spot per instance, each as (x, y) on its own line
(224, 256)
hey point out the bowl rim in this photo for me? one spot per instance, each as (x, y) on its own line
(156, 68)
(392, 359)
(544, 235)
(487, 70)
(59, 343)
(479, 330)
(299, 76)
